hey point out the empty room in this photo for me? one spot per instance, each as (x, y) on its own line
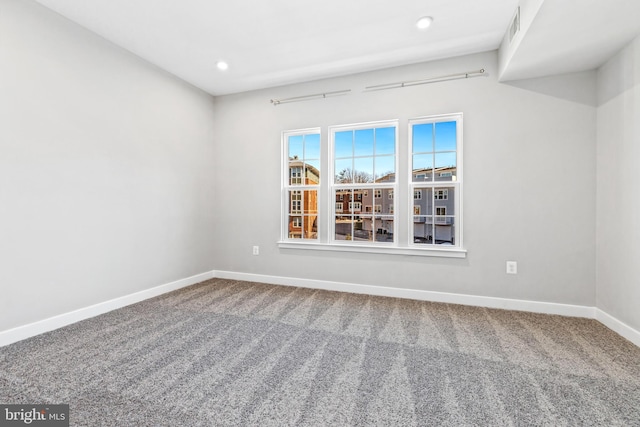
(319, 213)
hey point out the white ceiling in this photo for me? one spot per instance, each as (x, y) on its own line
(573, 35)
(276, 42)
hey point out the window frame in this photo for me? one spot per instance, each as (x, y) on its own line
(287, 186)
(437, 185)
(363, 187)
(400, 196)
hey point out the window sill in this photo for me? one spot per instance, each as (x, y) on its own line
(444, 252)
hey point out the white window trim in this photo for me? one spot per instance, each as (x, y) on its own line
(403, 245)
(286, 186)
(366, 187)
(432, 250)
(434, 185)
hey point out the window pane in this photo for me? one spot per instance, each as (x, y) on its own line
(422, 167)
(446, 174)
(422, 201)
(310, 227)
(362, 229)
(344, 227)
(295, 202)
(445, 160)
(295, 227)
(344, 171)
(385, 168)
(383, 228)
(295, 147)
(363, 169)
(343, 195)
(423, 230)
(446, 136)
(355, 198)
(295, 173)
(444, 228)
(445, 197)
(312, 172)
(386, 140)
(343, 144)
(423, 138)
(312, 146)
(310, 202)
(367, 204)
(364, 142)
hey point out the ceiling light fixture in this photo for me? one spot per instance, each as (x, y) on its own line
(222, 65)
(424, 22)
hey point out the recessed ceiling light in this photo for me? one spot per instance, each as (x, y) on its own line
(424, 22)
(222, 65)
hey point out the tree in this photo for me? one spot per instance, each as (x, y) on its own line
(348, 176)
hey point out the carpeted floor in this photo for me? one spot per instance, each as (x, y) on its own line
(236, 353)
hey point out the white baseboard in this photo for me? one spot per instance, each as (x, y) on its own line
(26, 331)
(479, 301)
(619, 327)
(22, 332)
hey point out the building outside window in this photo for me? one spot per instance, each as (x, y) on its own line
(302, 150)
(436, 147)
(363, 160)
(360, 182)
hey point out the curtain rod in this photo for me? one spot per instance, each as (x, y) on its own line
(309, 97)
(466, 75)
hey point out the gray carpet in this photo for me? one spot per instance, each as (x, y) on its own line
(236, 353)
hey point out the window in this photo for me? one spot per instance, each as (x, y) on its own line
(363, 161)
(442, 194)
(301, 189)
(355, 206)
(296, 175)
(436, 147)
(296, 201)
(380, 194)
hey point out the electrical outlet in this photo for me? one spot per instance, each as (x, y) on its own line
(256, 250)
(512, 267)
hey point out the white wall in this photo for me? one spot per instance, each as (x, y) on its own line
(618, 190)
(106, 170)
(529, 181)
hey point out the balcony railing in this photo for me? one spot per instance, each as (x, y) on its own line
(439, 220)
